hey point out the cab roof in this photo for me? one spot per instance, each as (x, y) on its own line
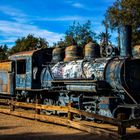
(20, 54)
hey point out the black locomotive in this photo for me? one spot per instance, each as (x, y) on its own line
(103, 85)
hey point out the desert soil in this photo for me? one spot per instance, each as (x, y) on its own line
(15, 128)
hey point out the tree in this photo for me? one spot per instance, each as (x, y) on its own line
(3, 52)
(104, 38)
(112, 18)
(61, 43)
(107, 35)
(79, 34)
(125, 12)
(28, 43)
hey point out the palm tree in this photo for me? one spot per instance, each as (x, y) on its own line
(104, 38)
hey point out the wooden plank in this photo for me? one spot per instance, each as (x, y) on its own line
(5, 101)
(128, 123)
(72, 110)
(92, 115)
(60, 121)
(100, 125)
(5, 66)
(39, 106)
(51, 119)
(57, 108)
(6, 111)
(93, 130)
(66, 109)
(22, 104)
(64, 121)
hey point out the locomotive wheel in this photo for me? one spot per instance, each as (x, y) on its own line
(48, 102)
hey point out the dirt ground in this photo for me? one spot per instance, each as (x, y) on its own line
(15, 128)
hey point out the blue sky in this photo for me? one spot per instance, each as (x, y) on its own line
(47, 18)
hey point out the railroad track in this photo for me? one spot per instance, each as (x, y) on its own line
(116, 128)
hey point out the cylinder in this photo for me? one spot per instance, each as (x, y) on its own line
(126, 49)
(71, 53)
(92, 51)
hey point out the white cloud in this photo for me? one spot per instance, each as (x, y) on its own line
(20, 27)
(11, 31)
(64, 18)
(78, 5)
(11, 11)
(14, 14)
(20, 17)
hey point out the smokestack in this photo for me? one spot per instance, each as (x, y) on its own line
(126, 49)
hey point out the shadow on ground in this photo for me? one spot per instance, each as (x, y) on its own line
(133, 136)
(8, 127)
(44, 136)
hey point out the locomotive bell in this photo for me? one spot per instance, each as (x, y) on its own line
(92, 51)
(71, 53)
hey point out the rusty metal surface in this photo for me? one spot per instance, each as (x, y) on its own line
(126, 50)
(92, 51)
(80, 69)
(23, 64)
(114, 74)
(25, 80)
(6, 66)
(71, 53)
(28, 67)
(123, 74)
(22, 54)
(6, 78)
(4, 81)
(57, 54)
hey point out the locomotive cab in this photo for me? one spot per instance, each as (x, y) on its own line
(28, 67)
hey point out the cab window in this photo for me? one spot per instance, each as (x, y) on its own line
(21, 67)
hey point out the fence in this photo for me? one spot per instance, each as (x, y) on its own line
(120, 123)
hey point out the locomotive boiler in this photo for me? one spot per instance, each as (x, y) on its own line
(104, 85)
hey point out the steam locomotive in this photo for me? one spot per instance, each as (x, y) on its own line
(104, 85)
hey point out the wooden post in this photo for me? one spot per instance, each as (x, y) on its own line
(70, 116)
(37, 111)
(12, 106)
(69, 113)
(121, 128)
